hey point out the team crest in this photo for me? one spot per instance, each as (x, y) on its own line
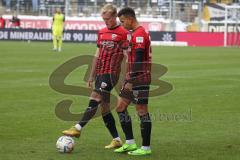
(129, 37)
(135, 93)
(103, 85)
(114, 36)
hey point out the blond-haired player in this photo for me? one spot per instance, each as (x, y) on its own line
(105, 72)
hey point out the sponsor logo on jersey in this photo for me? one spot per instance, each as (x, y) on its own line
(114, 36)
(139, 39)
(108, 44)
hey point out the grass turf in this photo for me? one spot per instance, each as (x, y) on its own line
(199, 119)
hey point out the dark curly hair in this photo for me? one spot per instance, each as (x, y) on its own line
(128, 12)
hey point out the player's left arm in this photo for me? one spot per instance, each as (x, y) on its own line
(139, 55)
(138, 61)
(137, 64)
(93, 69)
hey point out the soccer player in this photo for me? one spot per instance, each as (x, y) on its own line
(15, 22)
(105, 71)
(57, 30)
(136, 86)
(2, 22)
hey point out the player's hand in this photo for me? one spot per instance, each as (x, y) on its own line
(90, 83)
(128, 86)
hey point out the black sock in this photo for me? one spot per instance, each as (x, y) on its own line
(110, 124)
(126, 124)
(89, 112)
(146, 126)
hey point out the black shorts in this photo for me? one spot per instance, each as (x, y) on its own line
(138, 95)
(104, 84)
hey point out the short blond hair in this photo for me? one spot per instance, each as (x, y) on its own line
(109, 8)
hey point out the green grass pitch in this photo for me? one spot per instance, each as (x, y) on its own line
(198, 120)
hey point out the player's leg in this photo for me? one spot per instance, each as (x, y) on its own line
(101, 86)
(60, 42)
(109, 122)
(126, 123)
(95, 100)
(108, 119)
(141, 94)
(54, 37)
(108, 81)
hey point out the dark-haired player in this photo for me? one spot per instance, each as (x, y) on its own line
(136, 86)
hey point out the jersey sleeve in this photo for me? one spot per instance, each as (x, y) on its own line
(139, 40)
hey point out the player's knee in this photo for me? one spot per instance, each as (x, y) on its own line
(105, 107)
(119, 109)
(141, 109)
(95, 96)
(121, 105)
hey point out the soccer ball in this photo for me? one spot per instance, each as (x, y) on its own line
(65, 144)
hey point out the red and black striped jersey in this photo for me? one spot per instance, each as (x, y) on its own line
(111, 45)
(140, 39)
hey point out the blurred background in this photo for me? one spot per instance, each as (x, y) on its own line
(184, 10)
(154, 15)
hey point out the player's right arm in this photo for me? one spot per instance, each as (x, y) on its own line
(52, 21)
(93, 69)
